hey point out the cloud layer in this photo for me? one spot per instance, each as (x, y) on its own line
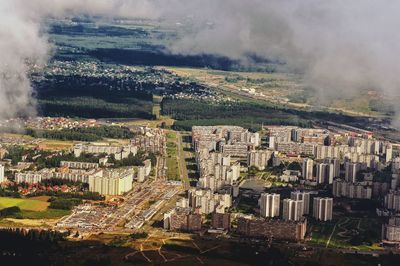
(340, 46)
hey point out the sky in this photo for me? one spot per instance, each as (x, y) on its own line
(342, 47)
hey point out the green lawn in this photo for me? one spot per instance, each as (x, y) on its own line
(32, 209)
(172, 159)
(24, 204)
(47, 214)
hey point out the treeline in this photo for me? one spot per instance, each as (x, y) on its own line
(83, 134)
(11, 211)
(15, 153)
(60, 182)
(133, 160)
(28, 247)
(70, 195)
(46, 159)
(9, 193)
(64, 203)
(89, 107)
(249, 115)
(92, 97)
(55, 161)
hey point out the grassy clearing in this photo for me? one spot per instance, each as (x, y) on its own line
(34, 209)
(47, 214)
(172, 159)
(56, 145)
(24, 204)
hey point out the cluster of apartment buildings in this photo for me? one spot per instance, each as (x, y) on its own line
(103, 181)
(200, 202)
(152, 140)
(217, 150)
(345, 161)
(118, 151)
(298, 205)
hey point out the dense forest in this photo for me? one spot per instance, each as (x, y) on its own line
(247, 114)
(189, 113)
(83, 134)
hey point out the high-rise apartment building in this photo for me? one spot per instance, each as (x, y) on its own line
(269, 205)
(292, 210)
(323, 209)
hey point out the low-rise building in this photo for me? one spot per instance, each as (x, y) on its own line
(272, 229)
(79, 165)
(221, 221)
(181, 219)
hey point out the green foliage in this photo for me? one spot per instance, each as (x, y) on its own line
(139, 235)
(249, 115)
(55, 160)
(60, 182)
(64, 204)
(87, 195)
(295, 166)
(131, 160)
(83, 134)
(378, 105)
(11, 211)
(10, 192)
(15, 153)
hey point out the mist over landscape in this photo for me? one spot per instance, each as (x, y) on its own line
(340, 47)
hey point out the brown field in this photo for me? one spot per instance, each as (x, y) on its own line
(41, 198)
(278, 88)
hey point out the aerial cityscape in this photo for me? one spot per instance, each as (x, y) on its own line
(199, 132)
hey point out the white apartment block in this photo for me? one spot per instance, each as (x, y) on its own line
(304, 197)
(322, 209)
(391, 230)
(120, 152)
(259, 158)
(308, 169)
(108, 182)
(392, 201)
(325, 173)
(79, 165)
(2, 178)
(292, 210)
(206, 201)
(342, 188)
(351, 171)
(269, 205)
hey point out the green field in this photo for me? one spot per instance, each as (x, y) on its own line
(24, 204)
(47, 214)
(172, 160)
(32, 209)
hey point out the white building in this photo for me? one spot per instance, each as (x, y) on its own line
(351, 172)
(269, 205)
(392, 201)
(307, 169)
(323, 209)
(107, 182)
(259, 158)
(391, 230)
(292, 210)
(2, 179)
(304, 197)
